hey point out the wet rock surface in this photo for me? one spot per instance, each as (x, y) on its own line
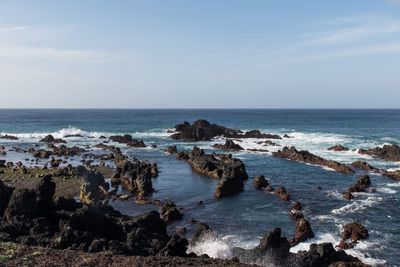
(364, 166)
(51, 140)
(387, 152)
(128, 140)
(338, 148)
(230, 171)
(202, 130)
(362, 184)
(229, 145)
(304, 156)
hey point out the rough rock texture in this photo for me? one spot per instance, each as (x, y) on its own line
(32, 217)
(171, 150)
(128, 140)
(393, 174)
(387, 152)
(324, 255)
(230, 171)
(304, 156)
(169, 212)
(93, 188)
(135, 175)
(338, 148)
(302, 232)
(51, 140)
(229, 145)
(202, 130)
(355, 231)
(8, 137)
(282, 193)
(364, 166)
(260, 182)
(362, 184)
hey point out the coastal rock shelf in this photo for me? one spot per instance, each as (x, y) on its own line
(228, 170)
(202, 130)
(304, 156)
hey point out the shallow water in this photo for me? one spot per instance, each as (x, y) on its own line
(241, 220)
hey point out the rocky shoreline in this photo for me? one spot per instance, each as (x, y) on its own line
(42, 219)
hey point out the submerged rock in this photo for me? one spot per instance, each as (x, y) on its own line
(282, 194)
(304, 156)
(387, 152)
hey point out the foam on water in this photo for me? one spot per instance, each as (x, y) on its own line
(358, 205)
(220, 246)
(386, 190)
(394, 184)
(358, 251)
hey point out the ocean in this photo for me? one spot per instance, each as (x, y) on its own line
(241, 220)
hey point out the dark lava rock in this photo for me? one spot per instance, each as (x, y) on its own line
(302, 232)
(338, 148)
(229, 145)
(8, 137)
(64, 151)
(135, 175)
(387, 152)
(94, 187)
(171, 150)
(364, 166)
(42, 154)
(230, 171)
(202, 231)
(32, 217)
(169, 212)
(363, 182)
(202, 130)
(324, 255)
(393, 174)
(51, 140)
(347, 195)
(355, 231)
(128, 140)
(304, 156)
(260, 182)
(282, 194)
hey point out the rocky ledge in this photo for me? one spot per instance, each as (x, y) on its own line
(228, 170)
(202, 130)
(128, 140)
(304, 156)
(229, 145)
(387, 152)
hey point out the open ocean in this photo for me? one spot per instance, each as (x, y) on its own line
(243, 219)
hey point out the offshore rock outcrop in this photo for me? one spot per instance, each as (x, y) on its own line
(135, 175)
(202, 130)
(353, 231)
(387, 152)
(393, 174)
(230, 171)
(304, 156)
(8, 137)
(51, 140)
(33, 217)
(229, 145)
(128, 140)
(364, 166)
(362, 184)
(338, 148)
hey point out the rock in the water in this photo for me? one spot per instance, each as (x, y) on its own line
(282, 194)
(303, 232)
(171, 150)
(393, 174)
(364, 166)
(338, 148)
(8, 137)
(169, 212)
(229, 145)
(202, 130)
(51, 140)
(355, 231)
(304, 156)
(128, 140)
(135, 175)
(260, 182)
(387, 152)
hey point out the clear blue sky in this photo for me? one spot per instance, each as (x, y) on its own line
(200, 54)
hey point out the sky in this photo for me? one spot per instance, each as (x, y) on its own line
(200, 54)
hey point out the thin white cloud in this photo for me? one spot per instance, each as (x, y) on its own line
(53, 54)
(4, 28)
(361, 28)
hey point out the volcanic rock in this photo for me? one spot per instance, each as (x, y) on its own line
(128, 140)
(304, 156)
(51, 140)
(229, 145)
(338, 148)
(387, 152)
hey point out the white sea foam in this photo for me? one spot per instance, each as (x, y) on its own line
(219, 246)
(394, 184)
(358, 251)
(386, 190)
(358, 205)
